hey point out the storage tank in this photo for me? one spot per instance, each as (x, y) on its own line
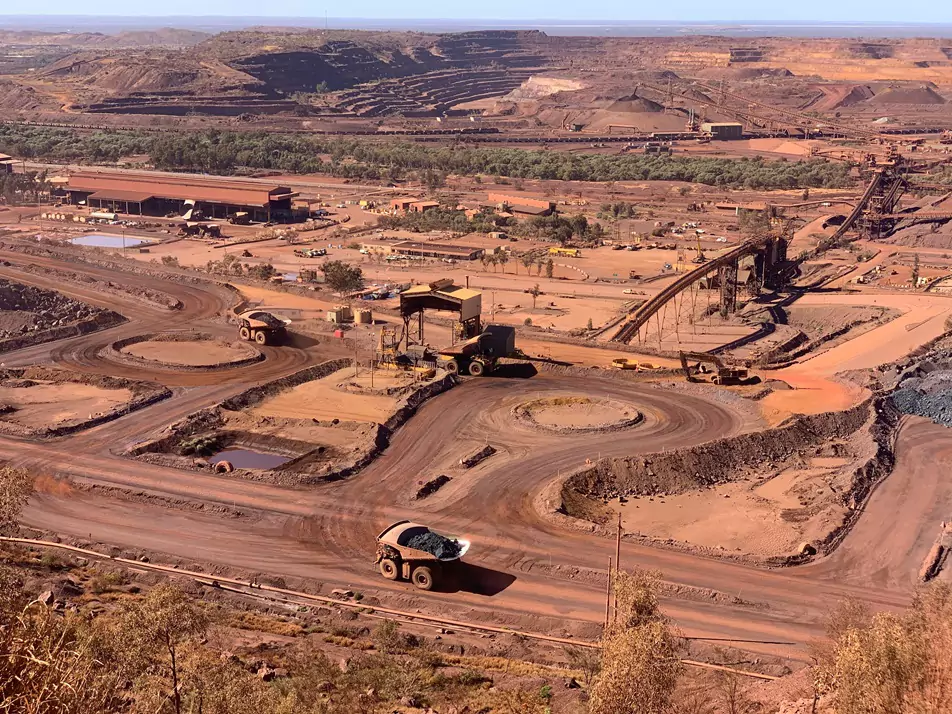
(364, 317)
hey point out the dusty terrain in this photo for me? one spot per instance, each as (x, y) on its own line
(48, 403)
(329, 398)
(807, 464)
(112, 497)
(758, 518)
(205, 352)
(515, 82)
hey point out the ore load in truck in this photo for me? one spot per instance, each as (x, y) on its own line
(411, 551)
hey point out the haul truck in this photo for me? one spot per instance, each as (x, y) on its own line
(397, 559)
(478, 355)
(262, 327)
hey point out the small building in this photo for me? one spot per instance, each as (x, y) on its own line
(378, 247)
(401, 205)
(523, 205)
(437, 250)
(723, 131)
(6, 164)
(423, 206)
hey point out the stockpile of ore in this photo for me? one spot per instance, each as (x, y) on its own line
(436, 545)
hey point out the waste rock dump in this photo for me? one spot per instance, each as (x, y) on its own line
(928, 393)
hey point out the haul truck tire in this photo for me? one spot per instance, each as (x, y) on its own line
(244, 333)
(423, 578)
(477, 368)
(389, 569)
(452, 367)
(261, 337)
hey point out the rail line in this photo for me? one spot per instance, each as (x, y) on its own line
(233, 585)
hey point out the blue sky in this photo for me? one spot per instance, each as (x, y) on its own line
(936, 11)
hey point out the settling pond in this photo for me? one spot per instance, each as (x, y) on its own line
(248, 459)
(101, 240)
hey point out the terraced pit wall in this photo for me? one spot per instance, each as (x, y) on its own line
(715, 462)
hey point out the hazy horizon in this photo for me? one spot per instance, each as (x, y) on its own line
(594, 27)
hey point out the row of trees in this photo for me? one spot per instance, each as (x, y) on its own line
(526, 260)
(22, 187)
(443, 218)
(223, 152)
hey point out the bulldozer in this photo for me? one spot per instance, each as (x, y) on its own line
(722, 374)
(262, 327)
(478, 355)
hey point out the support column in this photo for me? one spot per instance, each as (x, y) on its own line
(727, 275)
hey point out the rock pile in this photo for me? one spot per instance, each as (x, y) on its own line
(435, 544)
(927, 393)
(48, 309)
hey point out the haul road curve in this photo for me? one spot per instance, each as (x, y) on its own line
(325, 533)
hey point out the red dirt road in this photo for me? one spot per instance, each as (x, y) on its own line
(524, 570)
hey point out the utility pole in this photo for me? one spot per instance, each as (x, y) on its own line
(617, 557)
(608, 593)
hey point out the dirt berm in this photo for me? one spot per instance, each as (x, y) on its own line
(715, 462)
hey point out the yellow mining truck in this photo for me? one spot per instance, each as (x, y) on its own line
(411, 551)
(478, 355)
(262, 327)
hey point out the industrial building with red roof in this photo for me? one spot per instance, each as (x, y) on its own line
(160, 195)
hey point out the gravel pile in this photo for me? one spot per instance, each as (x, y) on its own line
(435, 544)
(927, 393)
(47, 308)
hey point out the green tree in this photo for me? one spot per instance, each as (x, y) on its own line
(527, 260)
(549, 268)
(535, 293)
(262, 271)
(502, 257)
(342, 277)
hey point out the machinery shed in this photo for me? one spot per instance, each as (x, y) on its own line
(723, 130)
(159, 195)
(442, 295)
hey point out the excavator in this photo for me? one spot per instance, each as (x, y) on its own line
(722, 373)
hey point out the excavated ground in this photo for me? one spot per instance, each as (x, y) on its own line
(767, 496)
(340, 395)
(30, 315)
(40, 401)
(319, 442)
(577, 414)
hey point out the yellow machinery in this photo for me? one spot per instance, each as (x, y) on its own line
(262, 327)
(721, 374)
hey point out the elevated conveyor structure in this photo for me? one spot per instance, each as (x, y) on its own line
(884, 187)
(724, 265)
